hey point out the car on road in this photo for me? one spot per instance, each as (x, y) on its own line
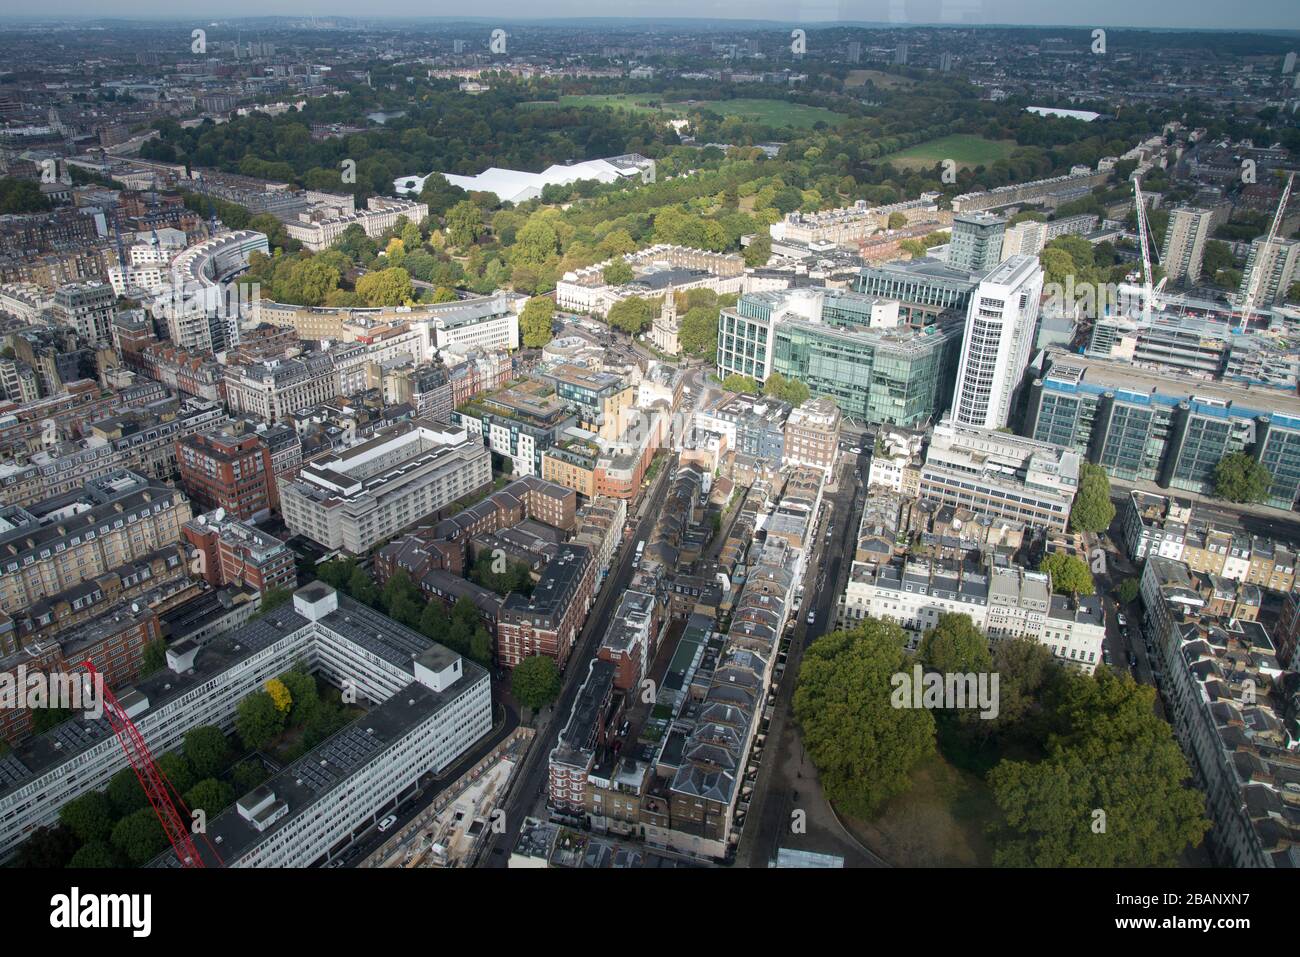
(1132, 659)
(812, 617)
(1123, 622)
(387, 822)
(855, 450)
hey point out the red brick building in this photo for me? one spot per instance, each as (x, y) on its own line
(231, 472)
(115, 644)
(227, 551)
(547, 622)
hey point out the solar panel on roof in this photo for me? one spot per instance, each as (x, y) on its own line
(13, 771)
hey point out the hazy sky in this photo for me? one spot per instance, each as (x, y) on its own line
(1214, 14)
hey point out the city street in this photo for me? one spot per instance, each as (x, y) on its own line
(531, 780)
(786, 780)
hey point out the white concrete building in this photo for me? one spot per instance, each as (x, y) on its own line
(352, 499)
(998, 340)
(429, 707)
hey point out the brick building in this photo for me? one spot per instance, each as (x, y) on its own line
(232, 472)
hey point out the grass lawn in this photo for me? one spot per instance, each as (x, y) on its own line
(964, 149)
(940, 822)
(886, 81)
(769, 112)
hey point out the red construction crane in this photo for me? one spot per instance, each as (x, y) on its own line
(162, 795)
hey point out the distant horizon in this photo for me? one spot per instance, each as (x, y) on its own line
(1180, 16)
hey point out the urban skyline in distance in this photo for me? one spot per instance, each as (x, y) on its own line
(1273, 15)
(709, 438)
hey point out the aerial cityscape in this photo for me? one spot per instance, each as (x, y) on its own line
(549, 441)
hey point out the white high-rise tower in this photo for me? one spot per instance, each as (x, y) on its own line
(999, 339)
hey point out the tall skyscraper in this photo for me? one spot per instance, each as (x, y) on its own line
(900, 54)
(1184, 246)
(998, 340)
(855, 51)
(976, 244)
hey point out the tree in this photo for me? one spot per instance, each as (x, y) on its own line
(387, 287)
(337, 572)
(177, 770)
(1070, 576)
(537, 242)
(1238, 477)
(1128, 591)
(897, 220)
(1093, 511)
(210, 795)
(48, 848)
(617, 273)
(535, 682)
(955, 646)
(501, 575)
(207, 749)
(280, 696)
(759, 251)
(433, 621)
(698, 331)
(94, 854)
(632, 315)
(139, 836)
(535, 322)
(273, 598)
(740, 383)
(1026, 670)
(1113, 791)
(258, 720)
(362, 588)
(863, 747)
(90, 816)
(787, 390)
(154, 657)
(306, 698)
(439, 195)
(464, 224)
(125, 793)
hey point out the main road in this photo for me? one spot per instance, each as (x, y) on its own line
(531, 779)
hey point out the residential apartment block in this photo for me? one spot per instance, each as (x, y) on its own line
(352, 499)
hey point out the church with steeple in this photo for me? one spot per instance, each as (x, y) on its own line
(663, 332)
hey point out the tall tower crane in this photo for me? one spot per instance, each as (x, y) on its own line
(166, 803)
(1143, 233)
(1256, 273)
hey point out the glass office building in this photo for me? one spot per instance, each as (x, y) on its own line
(845, 346)
(1168, 429)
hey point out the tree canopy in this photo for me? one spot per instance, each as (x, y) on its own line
(864, 748)
(1238, 477)
(1114, 790)
(1070, 575)
(1092, 511)
(535, 681)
